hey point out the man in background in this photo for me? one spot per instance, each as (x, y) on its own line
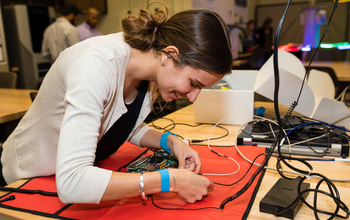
(88, 28)
(61, 34)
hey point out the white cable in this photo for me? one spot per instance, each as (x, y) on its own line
(224, 174)
(284, 171)
(266, 167)
(227, 156)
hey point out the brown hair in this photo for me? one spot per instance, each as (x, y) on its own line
(200, 35)
(267, 22)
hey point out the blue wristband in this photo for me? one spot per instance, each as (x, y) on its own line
(165, 180)
(163, 142)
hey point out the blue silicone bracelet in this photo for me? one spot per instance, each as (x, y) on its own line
(163, 142)
(165, 180)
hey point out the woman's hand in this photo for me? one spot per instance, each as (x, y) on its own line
(186, 156)
(190, 186)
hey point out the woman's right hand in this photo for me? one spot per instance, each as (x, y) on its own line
(190, 186)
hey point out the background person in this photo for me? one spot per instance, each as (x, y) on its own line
(250, 42)
(88, 28)
(61, 34)
(96, 96)
(264, 37)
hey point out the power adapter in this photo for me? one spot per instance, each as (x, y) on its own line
(281, 195)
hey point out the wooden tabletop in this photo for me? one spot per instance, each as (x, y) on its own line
(341, 68)
(333, 170)
(14, 103)
(186, 116)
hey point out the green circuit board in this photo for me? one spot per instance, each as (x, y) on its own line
(159, 160)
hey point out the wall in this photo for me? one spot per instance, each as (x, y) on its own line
(292, 31)
(118, 9)
(3, 54)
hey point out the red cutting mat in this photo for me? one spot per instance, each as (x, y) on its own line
(133, 208)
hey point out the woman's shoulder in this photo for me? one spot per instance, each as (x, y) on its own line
(113, 41)
(110, 46)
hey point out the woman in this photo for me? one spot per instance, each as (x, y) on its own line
(250, 41)
(110, 82)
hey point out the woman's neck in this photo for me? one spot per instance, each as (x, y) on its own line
(141, 66)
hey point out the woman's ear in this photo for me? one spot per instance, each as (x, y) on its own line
(171, 52)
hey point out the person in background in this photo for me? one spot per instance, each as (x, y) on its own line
(88, 28)
(250, 41)
(96, 96)
(264, 37)
(61, 34)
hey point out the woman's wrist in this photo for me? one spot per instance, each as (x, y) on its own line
(171, 140)
(168, 181)
(166, 141)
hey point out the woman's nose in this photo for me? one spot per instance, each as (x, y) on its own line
(192, 96)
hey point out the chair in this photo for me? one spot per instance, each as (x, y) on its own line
(331, 73)
(8, 80)
(33, 95)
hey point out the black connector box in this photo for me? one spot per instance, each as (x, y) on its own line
(281, 195)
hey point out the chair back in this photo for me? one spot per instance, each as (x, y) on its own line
(331, 73)
(8, 80)
(33, 95)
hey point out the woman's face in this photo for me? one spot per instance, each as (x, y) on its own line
(175, 82)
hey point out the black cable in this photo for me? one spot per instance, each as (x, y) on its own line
(181, 208)
(28, 191)
(313, 56)
(251, 165)
(166, 127)
(276, 72)
(286, 118)
(311, 148)
(333, 193)
(173, 124)
(279, 168)
(279, 137)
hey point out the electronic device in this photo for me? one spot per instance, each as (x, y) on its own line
(159, 160)
(336, 143)
(281, 195)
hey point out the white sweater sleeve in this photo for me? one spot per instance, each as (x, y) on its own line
(88, 81)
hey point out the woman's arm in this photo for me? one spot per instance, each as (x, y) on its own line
(190, 186)
(187, 157)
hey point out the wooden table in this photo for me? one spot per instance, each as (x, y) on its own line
(334, 170)
(341, 68)
(14, 103)
(339, 170)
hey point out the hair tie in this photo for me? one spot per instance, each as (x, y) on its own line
(155, 29)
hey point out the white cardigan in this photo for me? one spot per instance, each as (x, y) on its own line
(79, 100)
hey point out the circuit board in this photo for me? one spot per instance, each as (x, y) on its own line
(159, 160)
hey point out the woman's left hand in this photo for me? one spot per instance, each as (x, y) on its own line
(186, 156)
